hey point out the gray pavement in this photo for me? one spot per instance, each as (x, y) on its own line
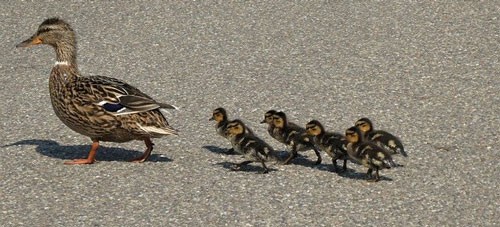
(427, 71)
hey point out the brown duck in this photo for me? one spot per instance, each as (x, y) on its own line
(102, 108)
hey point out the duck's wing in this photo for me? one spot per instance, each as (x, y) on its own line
(118, 97)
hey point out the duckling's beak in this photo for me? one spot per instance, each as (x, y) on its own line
(263, 121)
(212, 118)
(33, 40)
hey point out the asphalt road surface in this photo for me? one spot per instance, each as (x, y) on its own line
(427, 71)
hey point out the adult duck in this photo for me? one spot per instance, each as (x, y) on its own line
(102, 108)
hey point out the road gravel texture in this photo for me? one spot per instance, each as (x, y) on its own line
(427, 71)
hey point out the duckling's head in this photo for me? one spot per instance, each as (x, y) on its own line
(364, 125)
(279, 119)
(352, 134)
(235, 127)
(314, 128)
(268, 117)
(219, 115)
(52, 31)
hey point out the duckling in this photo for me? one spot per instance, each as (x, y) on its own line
(293, 136)
(268, 118)
(220, 115)
(381, 138)
(330, 142)
(250, 146)
(102, 108)
(367, 153)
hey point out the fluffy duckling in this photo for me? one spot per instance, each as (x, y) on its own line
(220, 116)
(100, 107)
(268, 118)
(367, 153)
(381, 138)
(250, 146)
(293, 136)
(330, 142)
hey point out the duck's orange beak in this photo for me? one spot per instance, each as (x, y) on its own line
(34, 40)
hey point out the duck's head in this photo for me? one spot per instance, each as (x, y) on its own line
(219, 115)
(352, 134)
(235, 127)
(52, 31)
(364, 125)
(279, 119)
(314, 128)
(268, 117)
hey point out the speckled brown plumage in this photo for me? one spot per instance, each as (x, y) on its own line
(102, 108)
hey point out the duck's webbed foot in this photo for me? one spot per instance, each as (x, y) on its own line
(146, 154)
(89, 160)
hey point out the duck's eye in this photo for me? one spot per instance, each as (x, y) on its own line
(43, 30)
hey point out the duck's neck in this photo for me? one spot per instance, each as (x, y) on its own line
(66, 52)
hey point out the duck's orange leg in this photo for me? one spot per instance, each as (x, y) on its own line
(146, 154)
(89, 160)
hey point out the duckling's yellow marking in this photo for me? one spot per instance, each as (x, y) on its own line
(392, 143)
(235, 129)
(377, 136)
(314, 130)
(381, 155)
(363, 126)
(218, 117)
(351, 137)
(366, 148)
(377, 162)
(278, 122)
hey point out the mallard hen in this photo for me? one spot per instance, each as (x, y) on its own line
(102, 108)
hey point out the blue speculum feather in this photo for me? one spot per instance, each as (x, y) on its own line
(112, 107)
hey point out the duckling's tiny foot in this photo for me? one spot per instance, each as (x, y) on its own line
(235, 167)
(317, 162)
(79, 162)
(284, 163)
(372, 179)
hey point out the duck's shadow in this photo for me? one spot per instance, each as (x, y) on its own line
(252, 167)
(53, 149)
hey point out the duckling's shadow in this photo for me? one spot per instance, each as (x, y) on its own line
(52, 149)
(304, 161)
(325, 165)
(359, 176)
(219, 150)
(252, 167)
